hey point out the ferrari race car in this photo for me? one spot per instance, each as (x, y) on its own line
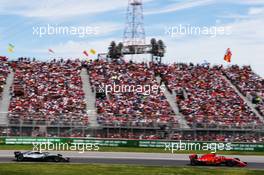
(39, 156)
(212, 159)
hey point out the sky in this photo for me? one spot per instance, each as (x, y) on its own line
(240, 25)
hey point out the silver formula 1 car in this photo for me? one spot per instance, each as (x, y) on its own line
(39, 156)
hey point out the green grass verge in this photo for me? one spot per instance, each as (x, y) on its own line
(140, 150)
(104, 169)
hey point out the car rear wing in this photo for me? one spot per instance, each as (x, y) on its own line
(17, 153)
(193, 156)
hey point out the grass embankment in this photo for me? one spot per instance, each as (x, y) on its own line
(103, 169)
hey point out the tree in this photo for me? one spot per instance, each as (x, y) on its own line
(112, 50)
(157, 49)
(161, 48)
(115, 51)
(119, 49)
(154, 47)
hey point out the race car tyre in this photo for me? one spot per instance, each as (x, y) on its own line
(50, 160)
(193, 162)
(230, 163)
(56, 159)
(20, 157)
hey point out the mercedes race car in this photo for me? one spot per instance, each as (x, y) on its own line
(213, 159)
(39, 156)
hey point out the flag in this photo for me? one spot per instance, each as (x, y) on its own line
(92, 51)
(51, 51)
(10, 48)
(85, 53)
(228, 55)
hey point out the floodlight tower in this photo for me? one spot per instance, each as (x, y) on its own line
(134, 34)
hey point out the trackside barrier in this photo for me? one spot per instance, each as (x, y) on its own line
(258, 147)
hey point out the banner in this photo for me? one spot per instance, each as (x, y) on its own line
(139, 143)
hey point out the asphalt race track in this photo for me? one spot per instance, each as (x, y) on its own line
(149, 159)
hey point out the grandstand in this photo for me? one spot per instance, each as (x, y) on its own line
(55, 99)
(5, 82)
(249, 84)
(209, 99)
(47, 92)
(130, 108)
(4, 71)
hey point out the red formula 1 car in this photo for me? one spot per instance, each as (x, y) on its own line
(212, 159)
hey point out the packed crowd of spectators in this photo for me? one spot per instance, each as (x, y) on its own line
(4, 71)
(130, 135)
(49, 92)
(248, 83)
(205, 98)
(137, 99)
(128, 94)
